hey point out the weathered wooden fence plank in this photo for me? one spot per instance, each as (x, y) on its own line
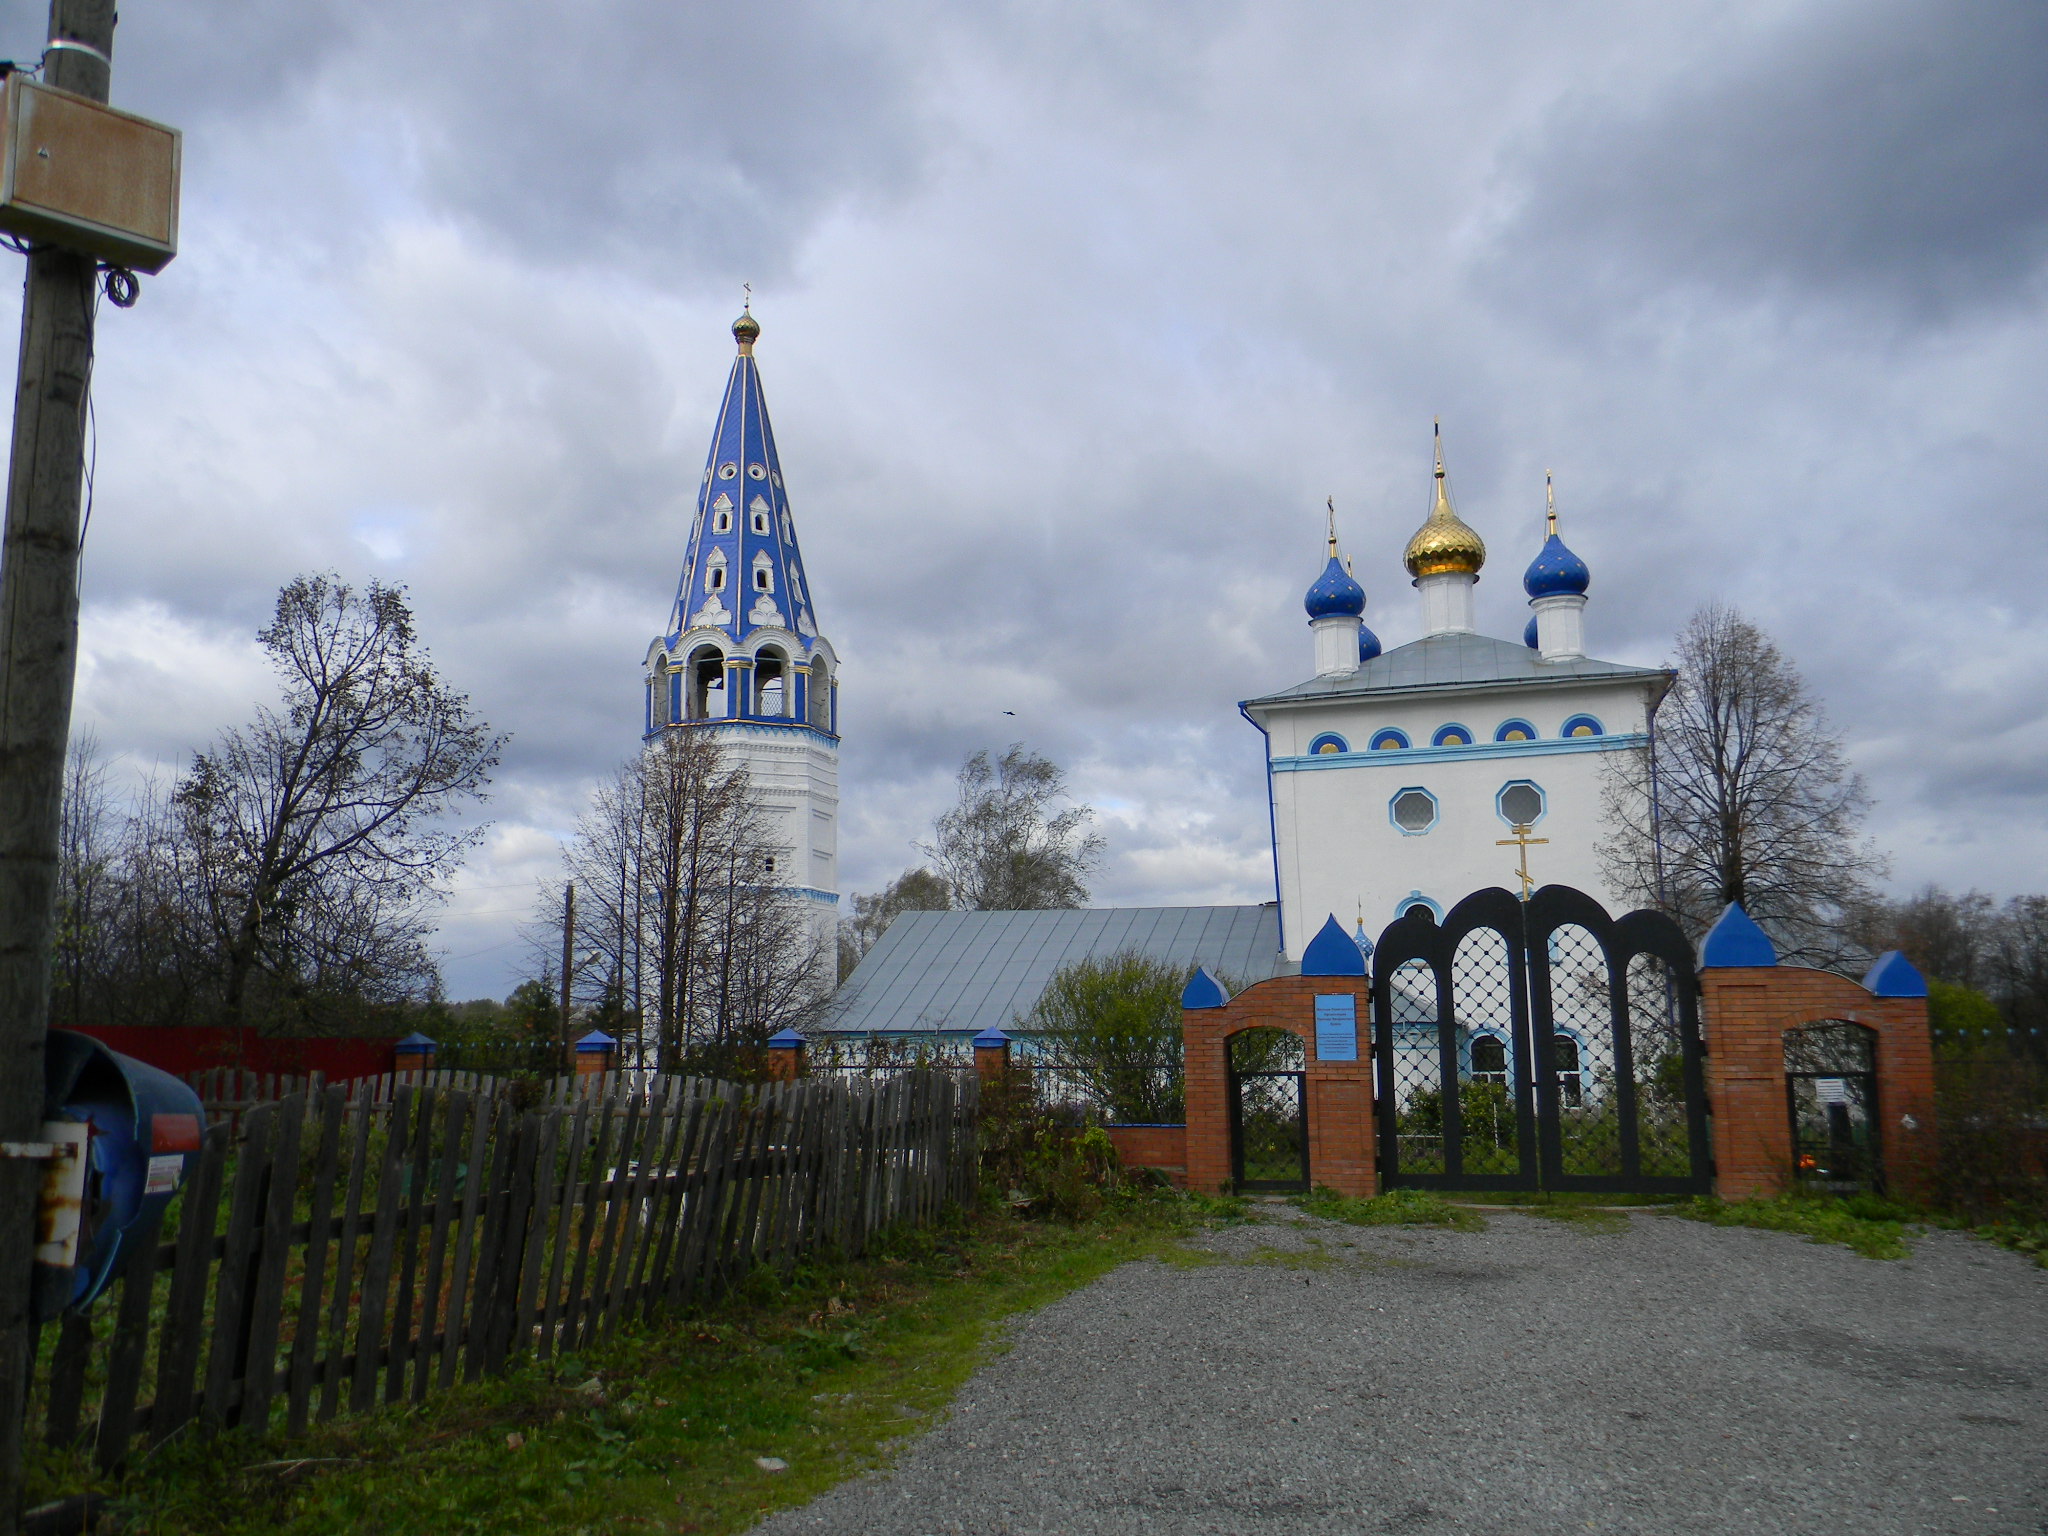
(184, 1326)
(373, 1310)
(266, 1299)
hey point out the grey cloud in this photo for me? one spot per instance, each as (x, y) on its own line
(1889, 153)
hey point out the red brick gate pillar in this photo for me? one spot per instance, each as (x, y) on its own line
(1749, 1001)
(1337, 1081)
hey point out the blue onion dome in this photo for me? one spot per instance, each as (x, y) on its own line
(1555, 569)
(1529, 633)
(1335, 594)
(1368, 645)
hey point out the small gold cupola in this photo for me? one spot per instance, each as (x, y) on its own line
(1444, 545)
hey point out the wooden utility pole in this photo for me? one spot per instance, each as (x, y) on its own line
(568, 965)
(38, 658)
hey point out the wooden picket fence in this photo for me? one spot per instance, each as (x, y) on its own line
(348, 1250)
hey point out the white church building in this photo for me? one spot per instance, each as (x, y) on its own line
(1399, 777)
(1420, 774)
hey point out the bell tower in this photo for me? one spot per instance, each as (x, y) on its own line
(742, 657)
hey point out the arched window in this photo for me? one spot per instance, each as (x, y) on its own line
(1489, 1059)
(771, 683)
(1582, 725)
(714, 572)
(1451, 736)
(1515, 730)
(1329, 741)
(707, 684)
(1389, 740)
(1413, 811)
(1521, 803)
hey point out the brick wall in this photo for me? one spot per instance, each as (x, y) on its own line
(1746, 1013)
(1164, 1147)
(1340, 1129)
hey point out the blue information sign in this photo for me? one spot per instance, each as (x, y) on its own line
(1337, 1028)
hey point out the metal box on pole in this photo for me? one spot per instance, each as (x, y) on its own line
(82, 175)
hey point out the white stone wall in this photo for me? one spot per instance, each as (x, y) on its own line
(1339, 850)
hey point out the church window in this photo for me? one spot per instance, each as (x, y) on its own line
(714, 578)
(1402, 908)
(760, 522)
(1329, 741)
(1414, 811)
(1582, 725)
(1389, 740)
(1520, 804)
(757, 472)
(727, 471)
(762, 579)
(1564, 1061)
(1515, 730)
(1490, 1060)
(767, 863)
(1451, 736)
(721, 522)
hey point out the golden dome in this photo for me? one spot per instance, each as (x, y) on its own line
(745, 330)
(1444, 544)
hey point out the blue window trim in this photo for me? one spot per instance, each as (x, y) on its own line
(1381, 737)
(1576, 721)
(1520, 750)
(1436, 807)
(1443, 731)
(1328, 741)
(1500, 732)
(1417, 899)
(1542, 794)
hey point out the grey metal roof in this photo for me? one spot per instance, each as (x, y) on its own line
(961, 972)
(1453, 661)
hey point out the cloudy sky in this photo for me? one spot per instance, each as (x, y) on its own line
(1073, 315)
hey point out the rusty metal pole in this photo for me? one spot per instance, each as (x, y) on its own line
(38, 658)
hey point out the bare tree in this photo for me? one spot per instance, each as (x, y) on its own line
(315, 835)
(1745, 796)
(88, 888)
(1003, 847)
(680, 909)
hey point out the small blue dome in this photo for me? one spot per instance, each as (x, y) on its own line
(1529, 633)
(1335, 595)
(1556, 570)
(1368, 645)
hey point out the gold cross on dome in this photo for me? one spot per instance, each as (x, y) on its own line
(1525, 842)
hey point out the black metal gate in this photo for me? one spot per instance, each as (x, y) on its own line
(1539, 1045)
(1268, 1111)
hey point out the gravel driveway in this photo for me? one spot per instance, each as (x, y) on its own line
(1667, 1378)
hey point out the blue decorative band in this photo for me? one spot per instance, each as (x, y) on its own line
(1496, 749)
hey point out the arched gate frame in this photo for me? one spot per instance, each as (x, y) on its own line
(1539, 1045)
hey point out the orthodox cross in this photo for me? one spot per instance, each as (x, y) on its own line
(1525, 842)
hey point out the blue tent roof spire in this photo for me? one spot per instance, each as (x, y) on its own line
(742, 571)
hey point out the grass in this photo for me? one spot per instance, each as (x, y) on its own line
(702, 1425)
(1871, 1226)
(1395, 1208)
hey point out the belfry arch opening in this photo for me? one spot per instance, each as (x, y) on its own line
(771, 683)
(706, 683)
(821, 693)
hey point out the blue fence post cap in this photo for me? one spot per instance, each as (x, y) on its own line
(1735, 942)
(1203, 991)
(788, 1040)
(1894, 976)
(417, 1042)
(991, 1039)
(596, 1040)
(1332, 952)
